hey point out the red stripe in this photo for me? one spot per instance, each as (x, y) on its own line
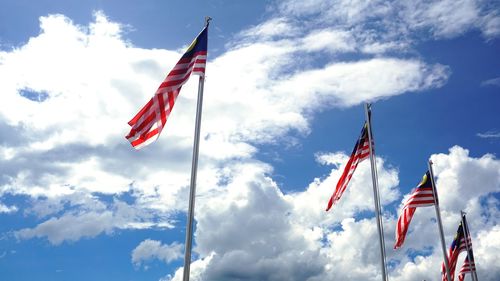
(420, 196)
(183, 70)
(145, 137)
(199, 70)
(141, 127)
(171, 100)
(403, 225)
(161, 102)
(145, 124)
(174, 82)
(190, 61)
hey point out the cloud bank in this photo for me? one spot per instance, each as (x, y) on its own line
(64, 145)
(65, 123)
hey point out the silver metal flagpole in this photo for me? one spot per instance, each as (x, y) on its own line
(194, 170)
(440, 224)
(465, 229)
(376, 197)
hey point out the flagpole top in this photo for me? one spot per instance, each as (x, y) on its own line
(207, 20)
(430, 162)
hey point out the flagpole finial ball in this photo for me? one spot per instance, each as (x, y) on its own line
(207, 20)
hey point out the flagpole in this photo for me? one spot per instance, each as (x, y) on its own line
(440, 224)
(376, 197)
(465, 230)
(194, 170)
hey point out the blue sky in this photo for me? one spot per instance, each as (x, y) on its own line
(284, 94)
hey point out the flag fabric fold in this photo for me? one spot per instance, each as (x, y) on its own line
(466, 266)
(360, 152)
(148, 123)
(421, 196)
(457, 246)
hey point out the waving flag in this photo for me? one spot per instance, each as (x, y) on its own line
(361, 152)
(467, 267)
(457, 246)
(150, 120)
(421, 196)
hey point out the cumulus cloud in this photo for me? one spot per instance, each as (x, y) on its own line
(65, 146)
(463, 182)
(256, 239)
(65, 124)
(153, 249)
(255, 232)
(461, 178)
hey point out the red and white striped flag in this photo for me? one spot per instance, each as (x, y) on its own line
(150, 120)
(457, 246)
(421, 196)
(467, 267)
(361, 152)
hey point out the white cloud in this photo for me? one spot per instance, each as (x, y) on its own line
(71, 227)
(399, 18)
(248, 234)
(196, 272)
(257, 92)
(461, 178)
(443, 18)
(7, 209)
(88, 218)
(370, 79)
(276, 27)
(73, 140)
(255, 232)
(486, 253)
(489, 135)
(464, 183)
(330, 40)
(491, 82)
(153, 249)
(491, 23)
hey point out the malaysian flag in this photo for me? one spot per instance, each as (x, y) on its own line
(361, 152)
(457, 246)
(421, 196)
(150, 120)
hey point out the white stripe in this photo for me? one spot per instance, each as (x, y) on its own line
(419, 199)
(423, 191)
(186, 64)
(419, 205)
